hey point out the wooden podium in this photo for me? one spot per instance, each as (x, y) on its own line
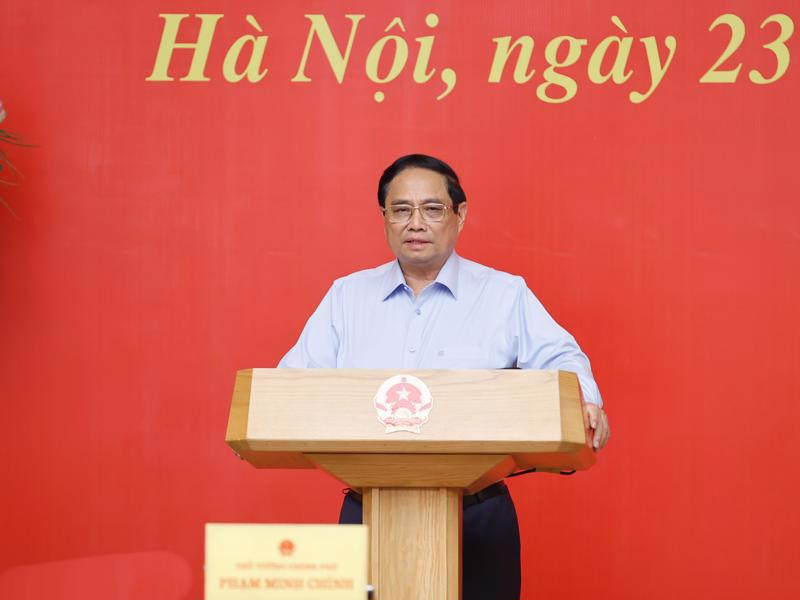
(480, 426)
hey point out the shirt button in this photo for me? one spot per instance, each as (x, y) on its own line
(418, 311)
(412, 349)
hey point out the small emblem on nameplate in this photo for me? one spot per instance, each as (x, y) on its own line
(286, 547)
(403, 403)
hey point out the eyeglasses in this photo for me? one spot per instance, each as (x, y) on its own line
(432, 212)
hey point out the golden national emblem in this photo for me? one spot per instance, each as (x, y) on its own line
(403, 403)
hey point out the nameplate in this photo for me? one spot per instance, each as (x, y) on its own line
(285, 562)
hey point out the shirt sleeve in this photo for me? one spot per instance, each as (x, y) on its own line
(318, 345)
(544, 344)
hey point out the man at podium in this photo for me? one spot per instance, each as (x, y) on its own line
(432, 309)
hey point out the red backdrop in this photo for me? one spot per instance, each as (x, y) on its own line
(169, 233)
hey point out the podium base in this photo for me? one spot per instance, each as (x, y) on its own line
(415, 542)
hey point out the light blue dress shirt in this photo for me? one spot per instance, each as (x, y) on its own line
(470, 317)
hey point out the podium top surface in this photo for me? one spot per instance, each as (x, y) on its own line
(453, 411)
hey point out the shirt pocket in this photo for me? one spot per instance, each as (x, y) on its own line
(461, 357)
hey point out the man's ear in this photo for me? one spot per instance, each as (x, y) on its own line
(385, 223)
(461, 214)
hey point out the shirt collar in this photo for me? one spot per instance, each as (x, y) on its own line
(447, 277)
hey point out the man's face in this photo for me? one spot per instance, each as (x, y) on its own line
(418, 243)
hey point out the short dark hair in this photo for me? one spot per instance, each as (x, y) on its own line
(422, 161)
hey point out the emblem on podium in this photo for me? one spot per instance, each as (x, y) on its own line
(403, 403)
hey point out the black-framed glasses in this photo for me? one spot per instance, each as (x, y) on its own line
(431, 212)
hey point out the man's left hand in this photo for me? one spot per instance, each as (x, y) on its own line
(595, 418)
